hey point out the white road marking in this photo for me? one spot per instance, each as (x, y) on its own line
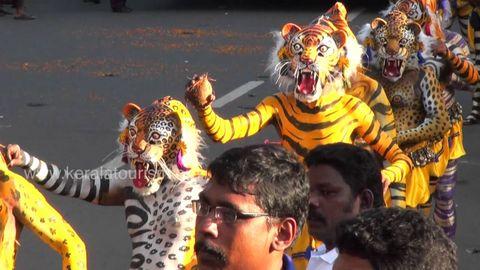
(236, 93)
(354, 14)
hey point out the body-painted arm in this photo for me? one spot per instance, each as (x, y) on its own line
(462, 67)
(372, 93)
(104, 190)
(436, 121)
(241, 126)
(30, 208)
(369, 130)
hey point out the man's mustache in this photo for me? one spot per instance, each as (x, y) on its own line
(315, 216)
(217, 253)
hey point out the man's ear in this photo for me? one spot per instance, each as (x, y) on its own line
(286, 231)
(366, 199)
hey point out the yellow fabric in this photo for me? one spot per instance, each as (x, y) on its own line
(418, 181)
(456, 141)
(22, 197)
(190, 260)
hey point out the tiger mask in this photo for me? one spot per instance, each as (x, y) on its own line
(396, 44)
(315, 56)
(318, 58)
(159, 142)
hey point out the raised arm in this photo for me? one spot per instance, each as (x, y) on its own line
(92, 187)
(200, 94)
(437, 120)
(456, 55)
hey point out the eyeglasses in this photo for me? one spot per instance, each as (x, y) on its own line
(222, 214)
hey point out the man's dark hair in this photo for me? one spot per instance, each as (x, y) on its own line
(358, 167)
(272, 174)
(395, 238)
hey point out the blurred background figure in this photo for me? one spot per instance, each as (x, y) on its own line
(117, 5)
(19, 6)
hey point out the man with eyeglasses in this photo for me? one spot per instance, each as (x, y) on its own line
(251, 210)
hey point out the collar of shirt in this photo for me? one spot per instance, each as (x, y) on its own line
(287, 263)
(321, 254)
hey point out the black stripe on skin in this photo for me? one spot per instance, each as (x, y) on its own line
(140, 232)
(93, 191)
(307, 127)
(377, 138)
(299, 150)
(138, 244)
(389, 127)
(67, 187)
(381, 108)
(384, 154)
(375, 94)
(248, 125)
(139, 212)
(78, 188)
(104, 187)
(398, 186)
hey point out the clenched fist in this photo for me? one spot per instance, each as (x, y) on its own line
(14, 155)
(199, 91)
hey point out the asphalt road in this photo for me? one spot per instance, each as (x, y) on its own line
(65, 77)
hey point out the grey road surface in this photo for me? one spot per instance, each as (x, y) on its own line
(65, 77)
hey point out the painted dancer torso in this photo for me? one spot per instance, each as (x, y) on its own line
(156, 195)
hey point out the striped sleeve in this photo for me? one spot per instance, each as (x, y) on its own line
(463, 68)
(241, 126)
(80, 184)
(369, 130)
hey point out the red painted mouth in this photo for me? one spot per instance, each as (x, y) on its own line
(144, 173)
(392, 68)
(306, 82)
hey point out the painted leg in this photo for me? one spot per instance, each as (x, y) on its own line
(444, 214)
(398, 193)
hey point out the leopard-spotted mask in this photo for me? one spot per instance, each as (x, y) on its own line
(159, 141)
(396, 44)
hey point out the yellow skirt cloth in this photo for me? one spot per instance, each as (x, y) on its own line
(456, 141)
